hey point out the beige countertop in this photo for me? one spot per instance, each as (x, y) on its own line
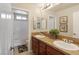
(49, 41)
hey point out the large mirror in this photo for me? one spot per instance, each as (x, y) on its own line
(43, 24)
(39, 23)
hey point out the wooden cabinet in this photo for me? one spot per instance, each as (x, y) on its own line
(53, 51)
(35, 46)
(41, 48)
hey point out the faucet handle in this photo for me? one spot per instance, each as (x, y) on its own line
(65, 40)
(71, 41)
(68, 41)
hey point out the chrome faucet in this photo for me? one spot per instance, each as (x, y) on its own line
(68, 41)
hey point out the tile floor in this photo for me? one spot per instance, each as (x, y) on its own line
(23, 53)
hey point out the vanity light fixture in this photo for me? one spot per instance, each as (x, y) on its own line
(48, 5)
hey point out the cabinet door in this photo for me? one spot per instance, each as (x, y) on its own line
(35, 46)
(52, 51)
(42, 48)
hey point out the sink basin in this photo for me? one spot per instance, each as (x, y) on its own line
(66, 46)
(39, 36)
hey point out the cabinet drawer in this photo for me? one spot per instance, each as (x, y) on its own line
(35, 50)
(52, 51)
(42, 51)
(35, 41)
(41, 44)
(35, 46)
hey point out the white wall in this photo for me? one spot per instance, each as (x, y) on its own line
(76, 24)
(67, 12)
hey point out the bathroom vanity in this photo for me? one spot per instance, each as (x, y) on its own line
(41, 48)
(44, 46)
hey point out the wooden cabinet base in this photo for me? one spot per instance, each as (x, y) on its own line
(53, 51)
(41, 48)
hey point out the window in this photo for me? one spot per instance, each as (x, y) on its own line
(5, 16)
(24, 18)
(8, 16)
(20, 15)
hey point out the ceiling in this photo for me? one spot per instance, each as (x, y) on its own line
(59, 7)
(63, 6)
